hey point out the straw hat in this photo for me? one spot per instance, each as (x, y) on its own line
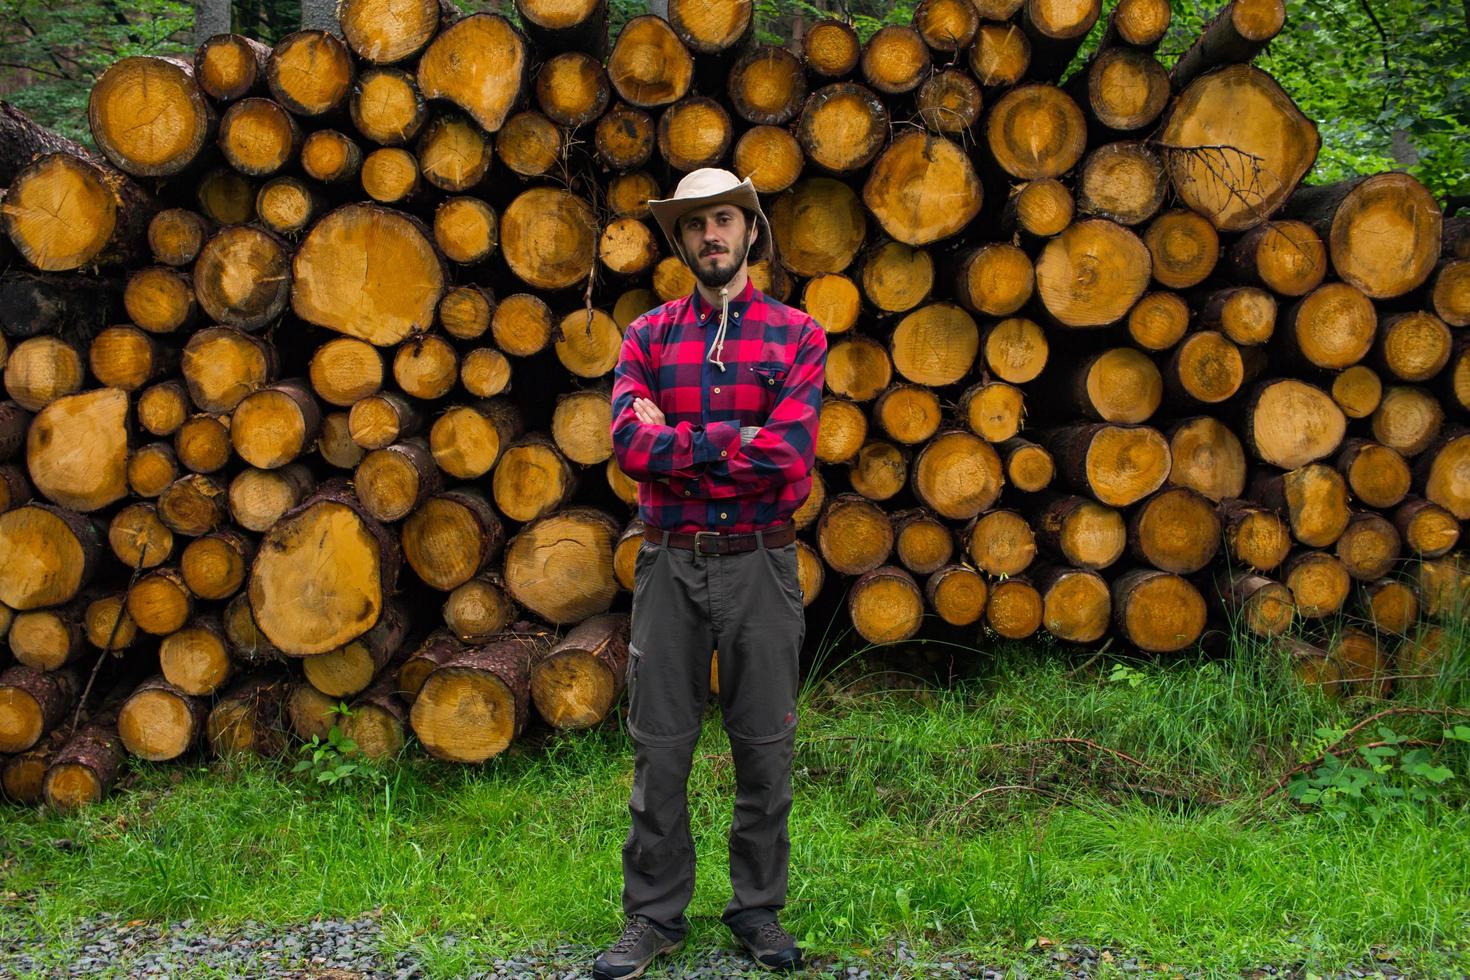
(701, 188)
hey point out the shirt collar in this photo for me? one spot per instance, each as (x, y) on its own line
(705, 311)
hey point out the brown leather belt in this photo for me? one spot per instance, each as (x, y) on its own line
(728, 543)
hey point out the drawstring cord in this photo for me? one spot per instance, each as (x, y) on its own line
(719, 348)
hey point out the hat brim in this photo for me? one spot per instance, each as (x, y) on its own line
(668, 211)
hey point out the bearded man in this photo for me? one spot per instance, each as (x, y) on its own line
(715, 404)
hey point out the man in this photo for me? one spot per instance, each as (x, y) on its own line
(715, 404)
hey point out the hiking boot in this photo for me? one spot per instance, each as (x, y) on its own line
(637, 947)
(773, 947)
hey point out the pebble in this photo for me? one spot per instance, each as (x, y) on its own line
(108, 946)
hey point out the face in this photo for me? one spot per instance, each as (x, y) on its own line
(716, 241)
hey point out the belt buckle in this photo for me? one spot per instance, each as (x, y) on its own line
(705, 534)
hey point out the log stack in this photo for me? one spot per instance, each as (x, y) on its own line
(307, 370)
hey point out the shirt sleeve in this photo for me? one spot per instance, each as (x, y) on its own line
(784, 450)
(654, 452)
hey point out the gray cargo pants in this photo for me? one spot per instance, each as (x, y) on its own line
(747, 606)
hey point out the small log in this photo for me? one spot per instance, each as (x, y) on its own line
(107, 624)
(96, 420)
(1091, 274)
(578, 683)
(387, 108)
(310, 73)
(1120, 384)
(831, 49)
(149, 117)
(1156, 611)
(810, 248)
(1122, 89)
(393, 481)
(572, 88)
(1079, 532)
(48, 639)
(922, 542)
(995, 279)
(1015, 609)
(451, 538)
(276, 424)
(1000, 55)
(1184, 247)
(1158, 320)
(250, 719)
(949, 102)
(32, 703)
(330, 156)
(649, 64)
(1413, 347)
(436, 650)
(1427, 529)
(1287, 257)
(993, 411)
(390, 175)
(1260, 605)
(426, 367)
(769, 157)
(854, 535)
(1028, 466)
(84, 769)
(1205, 367)
(196, 658)
(1369, 547)
(1035, 131)
(1119, 465)
(258, 137)
(492, 682)
(126, 357)
(1290, 423)
(1319, 583)
(1176, 530)
(139, 538)
(1358, 391)
(958, 594)
(465, 312)
(480, 608)
(1040, 208)
(350, 669)
(248, 645)
(1000, 543)
(388, 33)
(1314, 499)
(201, 445)
(957, 475)
(1362, 663)
(159, 602)
(624, 137)
(230, 66)
(908, 414)
(1408, 419)
(1207, 458)
(560, 566)
(886, 605)
(1056, 30)
(258, 498)
(1256, 537)
(1076, 605)
(215, 564)
(377, 722)
(1235, 35)
(895, 60)
(1407, 225)
(380, 420)
(1123, 182)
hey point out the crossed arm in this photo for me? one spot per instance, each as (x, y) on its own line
(721, 459)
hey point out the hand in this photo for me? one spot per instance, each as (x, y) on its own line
(648, 413)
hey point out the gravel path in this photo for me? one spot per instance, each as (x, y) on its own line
(336, 949)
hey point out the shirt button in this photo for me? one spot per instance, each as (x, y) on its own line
(770, 381)
(723, 453)
(723, 515)
(717, 391)
(687, 493)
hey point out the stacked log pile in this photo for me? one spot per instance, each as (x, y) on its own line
(307, 370)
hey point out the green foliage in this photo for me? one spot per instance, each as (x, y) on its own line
(1383, 775)
(332, 759)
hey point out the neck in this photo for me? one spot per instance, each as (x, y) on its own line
(735, 286)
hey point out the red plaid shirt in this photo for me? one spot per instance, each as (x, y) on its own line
(693, 473)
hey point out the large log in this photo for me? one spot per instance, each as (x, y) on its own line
(149, 117)
(67, 211)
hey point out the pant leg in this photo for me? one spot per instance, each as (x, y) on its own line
(760, 625)
(669, 648)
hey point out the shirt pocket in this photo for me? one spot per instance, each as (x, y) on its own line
(769, 378)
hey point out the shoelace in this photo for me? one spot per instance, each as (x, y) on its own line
(772, 935)
(632, 935)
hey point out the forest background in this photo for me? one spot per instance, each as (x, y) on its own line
(1388, 81)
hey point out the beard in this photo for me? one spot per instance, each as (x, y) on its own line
(718, 274)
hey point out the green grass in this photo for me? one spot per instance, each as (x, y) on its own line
(936, 813)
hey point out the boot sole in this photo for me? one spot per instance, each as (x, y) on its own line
(674, 948)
